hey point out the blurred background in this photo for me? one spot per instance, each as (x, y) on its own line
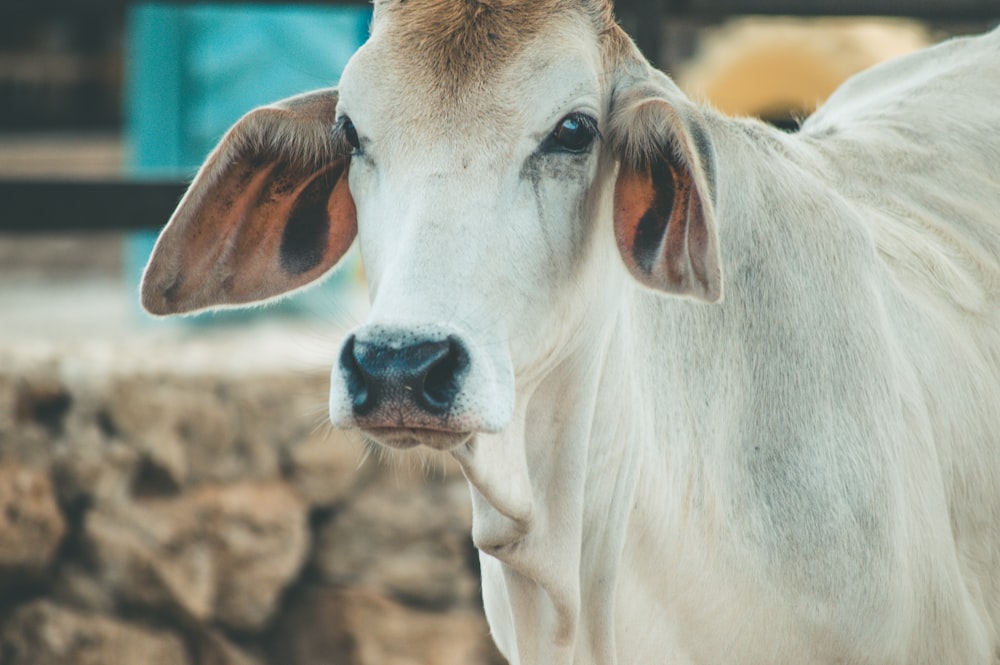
(169, 491)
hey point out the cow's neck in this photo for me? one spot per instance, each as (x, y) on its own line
(579, 505)
(551, 564)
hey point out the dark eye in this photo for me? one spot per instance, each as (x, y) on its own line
(574, 133)
(350, 133)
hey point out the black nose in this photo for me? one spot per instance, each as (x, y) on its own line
(386, 373)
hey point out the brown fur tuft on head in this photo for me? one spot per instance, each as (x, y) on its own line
(467, 39)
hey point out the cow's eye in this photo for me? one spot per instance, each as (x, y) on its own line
(574, 133)
(350, 133)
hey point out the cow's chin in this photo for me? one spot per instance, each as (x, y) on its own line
(404, 438)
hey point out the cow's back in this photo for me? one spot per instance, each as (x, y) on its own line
(915, 142)
(913, 147)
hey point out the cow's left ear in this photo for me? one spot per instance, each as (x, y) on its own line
(664, 214)
(268, 213)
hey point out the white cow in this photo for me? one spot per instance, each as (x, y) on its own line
(792, 457)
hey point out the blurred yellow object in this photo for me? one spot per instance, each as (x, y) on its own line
(781, 68)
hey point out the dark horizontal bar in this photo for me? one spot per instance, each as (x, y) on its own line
(47, 206)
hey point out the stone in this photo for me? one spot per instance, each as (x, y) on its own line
(362, 627)
(42, 401)
(176, 424)
(33, 407)
(276, 411)
(260, 535)
(74, 585)
(213, 648)
(219, 553)
(150, 556)
(413, 541)
(89, 470)
(213, 429)
(43, 633)
(31, 525)
(326, 466)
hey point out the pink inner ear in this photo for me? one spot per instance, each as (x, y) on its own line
(635, 195)
(287, 227)
(343, 222)
(256, 231)
(662, 232)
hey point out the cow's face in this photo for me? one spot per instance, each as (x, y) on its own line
(473, 150)
(475, 208)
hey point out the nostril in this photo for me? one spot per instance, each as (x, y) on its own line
(358, 386)
(441, 381)
(398, 376)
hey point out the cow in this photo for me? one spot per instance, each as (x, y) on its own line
(722, 393)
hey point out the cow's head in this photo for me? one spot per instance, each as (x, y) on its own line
(492, 158)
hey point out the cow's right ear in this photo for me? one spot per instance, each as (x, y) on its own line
(664, 214)
(269, 212)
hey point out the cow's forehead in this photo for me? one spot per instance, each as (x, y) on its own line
(457, 44)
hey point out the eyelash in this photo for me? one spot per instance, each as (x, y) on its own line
(581, 132)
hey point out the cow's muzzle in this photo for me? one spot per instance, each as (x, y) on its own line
(404, 388)
(424, 375)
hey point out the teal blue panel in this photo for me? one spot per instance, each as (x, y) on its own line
(154, 89)
(240, 59)
(194, 70)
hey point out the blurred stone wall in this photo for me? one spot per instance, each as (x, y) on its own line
(163, 515)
